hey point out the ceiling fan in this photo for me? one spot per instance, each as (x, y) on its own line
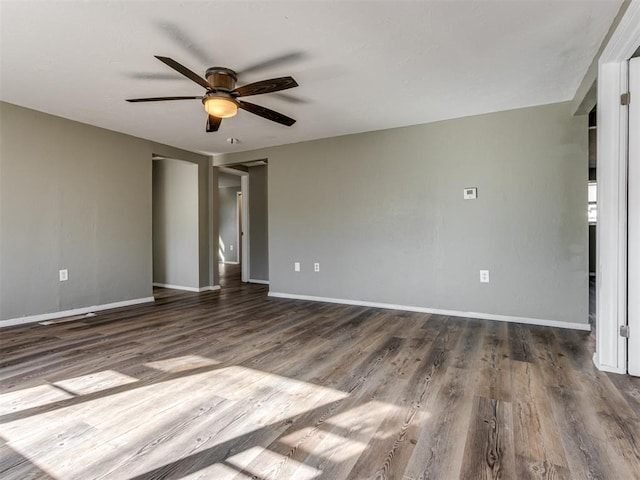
(221, 99)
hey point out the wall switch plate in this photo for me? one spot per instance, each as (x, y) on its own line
(484, 276)
(470, 193)
(64, 275)
(296, 266)
(231, 247)
(316, 267)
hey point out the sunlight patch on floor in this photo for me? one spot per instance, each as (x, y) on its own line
(336, 447)
(217, 471)
(31, 397)
(263, 463)
(180, 364)
(95, 382)
(147, 426)
(342, 436)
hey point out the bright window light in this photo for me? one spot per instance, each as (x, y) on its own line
(592, 197)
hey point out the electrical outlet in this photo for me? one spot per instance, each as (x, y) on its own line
(484, 276)
(231, 247)
(296, 266)
(64, 275)
(316, 267)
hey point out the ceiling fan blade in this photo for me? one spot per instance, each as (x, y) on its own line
(213, 123)
(153, 76)
(265, 86)
(272, 62)
(266, 113)
(185, 71)
(287, 97)
(161, 99)
(182, 38)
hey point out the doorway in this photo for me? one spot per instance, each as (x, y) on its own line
(253, 214)
(613, 266)
(231, 254)
(592, 213)
(175, 230)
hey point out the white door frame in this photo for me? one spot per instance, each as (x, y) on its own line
(633, 251)
(239, 226)
(611, 280)
(244, 188)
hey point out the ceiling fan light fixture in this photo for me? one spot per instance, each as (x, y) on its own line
(220, 100)
(220, 107)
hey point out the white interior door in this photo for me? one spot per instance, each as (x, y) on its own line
(633, 270)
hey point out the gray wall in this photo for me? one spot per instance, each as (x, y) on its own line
(383, 213)
(175, 223)
(258, 224)
(228, 180)
(79, 197)
(228, 223)
(71, 196)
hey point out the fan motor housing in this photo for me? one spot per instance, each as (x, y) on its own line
(221, 77)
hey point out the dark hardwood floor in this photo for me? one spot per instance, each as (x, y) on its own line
(233, 384)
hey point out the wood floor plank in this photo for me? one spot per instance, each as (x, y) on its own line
(14, 465)
(519, 343)
(586, 456)
(556, 371)
(441, 435)
(629, 388)
(538, 448)
(489, 452)
(614, 419)
(394, 440)
(494, 367)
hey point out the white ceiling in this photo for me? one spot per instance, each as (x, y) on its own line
(361, 65)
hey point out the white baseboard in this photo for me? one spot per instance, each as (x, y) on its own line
(75, 311)
(187, 289)
(263, 282)
(210, 288)
(437, 311)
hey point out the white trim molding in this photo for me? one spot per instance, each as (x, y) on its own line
(437, 311)
(210, 288)
(606, 368)
(245, 253)
(262, 282)
(75, 311)
(187, 289)
(611, 250)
